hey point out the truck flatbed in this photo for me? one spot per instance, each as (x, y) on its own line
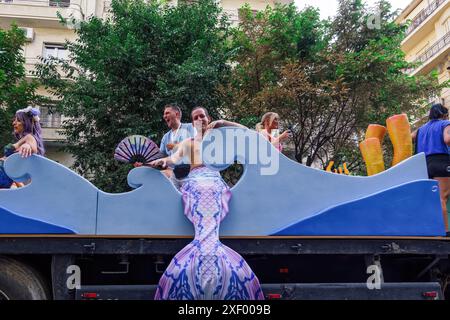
(142, 245)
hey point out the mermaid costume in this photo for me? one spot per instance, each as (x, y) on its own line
(206, 269)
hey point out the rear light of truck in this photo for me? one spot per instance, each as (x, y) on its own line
(284, 270)
(89, 295)
(433, 295)
(274, 296)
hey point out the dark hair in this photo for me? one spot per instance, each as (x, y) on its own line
(30, 126)
(437, 111)
(174, 107)
(198, 108)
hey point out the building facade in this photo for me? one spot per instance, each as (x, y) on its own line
(46, 37)
(427, 40)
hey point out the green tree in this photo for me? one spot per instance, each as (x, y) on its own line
(373, 67)
(263, 43)
(327, 79)
(122, 70)
(15, 91)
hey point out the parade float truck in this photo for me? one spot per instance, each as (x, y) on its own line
(306, 233)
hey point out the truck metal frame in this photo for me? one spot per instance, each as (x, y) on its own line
(67, 225)
(289, 267)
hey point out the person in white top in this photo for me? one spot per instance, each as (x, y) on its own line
(178, 131)
(269, 128)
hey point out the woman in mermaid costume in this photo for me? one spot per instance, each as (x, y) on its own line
(205, 269)
(27, 132)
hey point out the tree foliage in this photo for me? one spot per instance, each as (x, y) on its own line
(328, 80)
(124, 69)
(15, 91)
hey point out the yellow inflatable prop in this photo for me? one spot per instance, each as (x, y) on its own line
(400, 134)
(373, 156)
(376, 131)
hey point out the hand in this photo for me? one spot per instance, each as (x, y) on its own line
(138, 164)
(25, 150)
(159, 163)
(172, 146)
(216, 124)
(286, 135)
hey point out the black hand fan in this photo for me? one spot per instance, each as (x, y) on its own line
(137, 149)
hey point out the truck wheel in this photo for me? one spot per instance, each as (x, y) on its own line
(20, 282)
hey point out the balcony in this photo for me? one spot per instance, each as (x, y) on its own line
(233, 15)
(51, 123)
(425, 23)
(50, 3)
(423, 15)
(50, 118)
(38, 13)
(433, 54)
(30, 64)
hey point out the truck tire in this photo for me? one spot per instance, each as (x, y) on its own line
(21, 282)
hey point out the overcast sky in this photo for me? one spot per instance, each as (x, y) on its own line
(328, 7)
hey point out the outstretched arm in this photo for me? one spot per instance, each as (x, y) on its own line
(26, 146)
(224, 123)
(275, 141)
(171, 160)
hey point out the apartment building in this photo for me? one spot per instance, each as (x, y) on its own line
(46, 37)
(428, 39)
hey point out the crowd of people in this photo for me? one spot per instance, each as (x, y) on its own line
(180, 143)
(179, 135)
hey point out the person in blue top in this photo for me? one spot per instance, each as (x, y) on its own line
(433, 139)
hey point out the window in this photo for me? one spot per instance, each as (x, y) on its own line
(55, 51)
(59, 3)
(50, 118)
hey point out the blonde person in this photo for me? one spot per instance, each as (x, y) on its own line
(269, 128)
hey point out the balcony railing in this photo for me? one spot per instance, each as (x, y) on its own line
(423, 15)
(432, 51)
(233, 15)
(44, 3)
(50, 118)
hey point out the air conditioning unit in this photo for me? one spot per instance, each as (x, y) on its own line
(29, 33)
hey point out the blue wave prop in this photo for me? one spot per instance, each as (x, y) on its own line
(12, 223)
(56, 194)
(5, 181)
(273, 193)
(389, 213)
